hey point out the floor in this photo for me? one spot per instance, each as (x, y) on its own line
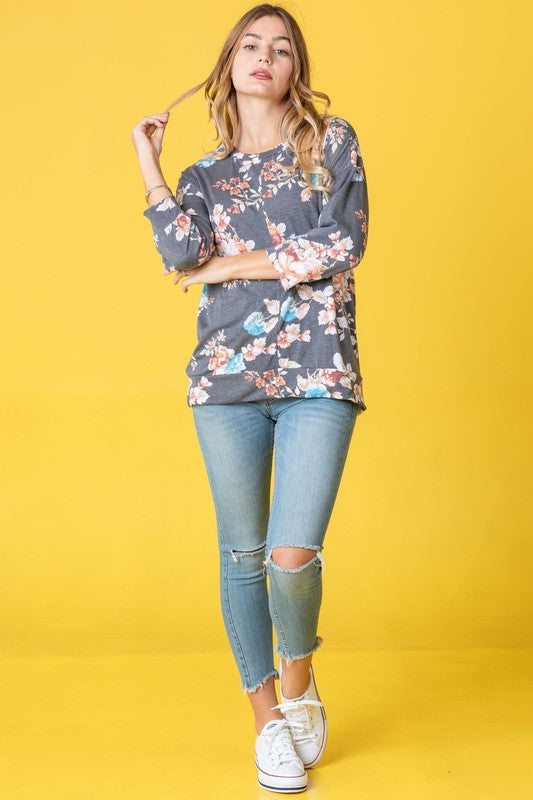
(415, 724)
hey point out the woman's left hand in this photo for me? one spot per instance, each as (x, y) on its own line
(213, 271)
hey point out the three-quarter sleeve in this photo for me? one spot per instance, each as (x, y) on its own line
(338, 242)
(181, 226)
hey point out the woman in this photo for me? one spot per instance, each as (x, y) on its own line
(272, 223)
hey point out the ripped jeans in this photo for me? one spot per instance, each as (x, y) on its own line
(309, 438)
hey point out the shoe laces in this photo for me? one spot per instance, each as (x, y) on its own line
(280, 745)
(297, 715)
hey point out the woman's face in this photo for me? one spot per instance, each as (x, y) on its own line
(265, 45)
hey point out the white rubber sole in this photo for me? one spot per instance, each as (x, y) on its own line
(289, 784)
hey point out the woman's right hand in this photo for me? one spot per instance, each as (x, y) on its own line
(147, 135)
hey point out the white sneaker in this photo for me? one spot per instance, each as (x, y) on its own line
(279, 768)
(307, 721)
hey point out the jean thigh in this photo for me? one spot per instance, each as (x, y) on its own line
(311, 444)
(236, 441)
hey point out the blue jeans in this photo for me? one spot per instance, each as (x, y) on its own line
(309, 438)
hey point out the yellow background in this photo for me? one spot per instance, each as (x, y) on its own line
(108, 528)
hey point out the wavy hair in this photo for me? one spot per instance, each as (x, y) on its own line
(302, 127)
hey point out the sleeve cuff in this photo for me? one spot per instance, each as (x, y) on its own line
(278, 257)
(166, 203)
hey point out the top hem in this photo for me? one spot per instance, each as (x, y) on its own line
(275, 384)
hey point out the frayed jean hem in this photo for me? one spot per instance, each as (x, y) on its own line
(254, 688)
(288, 658)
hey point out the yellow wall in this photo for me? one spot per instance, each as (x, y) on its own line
(108, 529)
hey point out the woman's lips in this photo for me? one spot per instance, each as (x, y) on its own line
(261, 76)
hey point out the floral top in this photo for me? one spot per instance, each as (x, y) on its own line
(271, 338)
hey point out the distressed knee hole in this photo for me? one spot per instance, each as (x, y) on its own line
(316, 557)
(283, 557)
(238, 554)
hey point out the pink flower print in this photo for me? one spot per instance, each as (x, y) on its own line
(274, 381)
(238, 186)
(303, 261)
(340, 282)
(347, 376)
(220, 358)
(327, 316)
(220, 218)
(360, 214)
(183, 226)
(353, 152)
(358, 392)
(234, 246)
(328, 376)
(276, 232)
(271, 382)
(322, 296)
(259, 346)
(340, 247)
(290, 334)
(317, 382)
(197, 394)
(234, 186)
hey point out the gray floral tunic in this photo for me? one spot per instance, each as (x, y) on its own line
(289, 337)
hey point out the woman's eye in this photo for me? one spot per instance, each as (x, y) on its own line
(246, 46)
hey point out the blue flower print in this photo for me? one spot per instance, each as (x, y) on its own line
(316, 390)
(207, 161)
(288, 310)
(254, 323)
(235, 364)
(203, 297)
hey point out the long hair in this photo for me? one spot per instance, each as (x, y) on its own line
(302, 127)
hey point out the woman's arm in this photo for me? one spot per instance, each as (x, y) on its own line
(181, 226)
(249, 266)
(338, 242)
(153, 176)
(253, 265)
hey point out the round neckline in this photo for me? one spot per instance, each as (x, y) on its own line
(236, 152)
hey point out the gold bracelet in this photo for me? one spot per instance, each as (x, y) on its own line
(159, 186)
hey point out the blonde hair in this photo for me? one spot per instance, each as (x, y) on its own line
(302, 127)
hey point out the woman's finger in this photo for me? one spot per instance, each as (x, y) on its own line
(163, 117)
(155, 119)
(152, 125)
(179, 275)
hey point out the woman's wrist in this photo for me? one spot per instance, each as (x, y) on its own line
(157, 193)
(154, 180)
